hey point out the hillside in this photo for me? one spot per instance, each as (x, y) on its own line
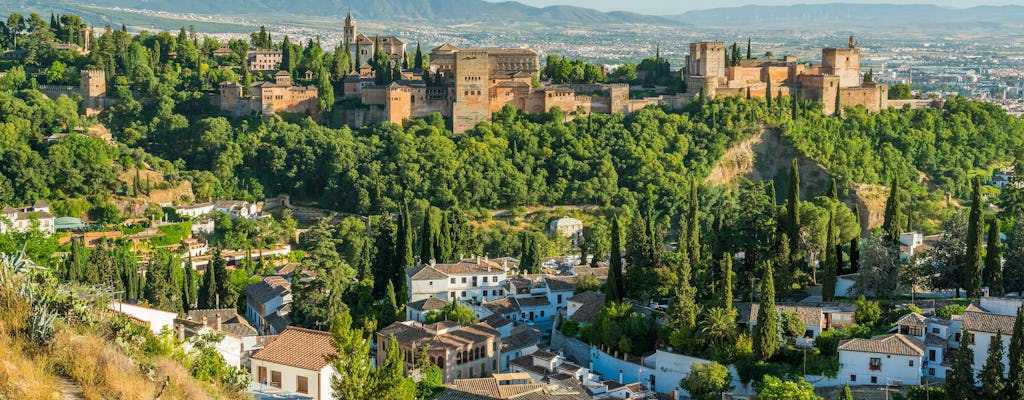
(419, 11)
(863, 17)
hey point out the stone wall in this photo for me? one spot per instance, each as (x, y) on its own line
(472, 94)
(573, 349)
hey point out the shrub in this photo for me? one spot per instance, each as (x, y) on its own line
(868, 312)
(570, 328)
(953, 309)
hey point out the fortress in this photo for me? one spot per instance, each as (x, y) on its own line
(269, 98)
(838, 77)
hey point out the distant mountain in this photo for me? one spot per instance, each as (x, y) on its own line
(844, 16)
(422, 11)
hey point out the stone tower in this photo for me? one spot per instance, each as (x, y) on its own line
(844, 63)
(94, 84)
(472, 94)
(706, 59)
(350, 29)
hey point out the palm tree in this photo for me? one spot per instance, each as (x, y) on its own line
(719, 325)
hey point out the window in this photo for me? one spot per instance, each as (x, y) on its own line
(494, 364)
(495, 278)
(463, 293)
(874, 379)
(542, 313)
(875, 364)
(485, 279)
(302, 385)
(458, 374)
(911, 364)
(956, 336)
(463, 279)
(275, 379)
(931, 355)
(931, 371)
(935, 331)
(560, 298)
(453, 280)
(853, 378)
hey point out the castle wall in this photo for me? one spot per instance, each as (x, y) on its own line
(777, 74)
(820, 88)
(874, 97)
(472, 94)
(743, 74)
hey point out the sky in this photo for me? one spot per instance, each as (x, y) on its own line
(669, 7)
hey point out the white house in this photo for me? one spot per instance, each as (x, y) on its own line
(418, 310)
(267, 304)
(471, 280)
(983, 327)
(238, 209)
(522, 341)
(194, 210)
(571, 228)
(239, 338)
(156, 320)
(938, 335)
(296, 362)
(882, 360)
(23, 219)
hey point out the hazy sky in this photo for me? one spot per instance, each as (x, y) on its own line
(666, 7)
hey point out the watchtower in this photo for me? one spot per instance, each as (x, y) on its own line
(350, 29)
(94, 84)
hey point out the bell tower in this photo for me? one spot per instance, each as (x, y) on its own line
(350, 29)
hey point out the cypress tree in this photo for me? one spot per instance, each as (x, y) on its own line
(614, 286)
(726, 299)
(692, 230)
(891, 224)
(784, 273)
(403, 256)
(1015, 380)
(389, 313)
(972, 257)
(359, 60)
(993, 385)
(792, 224)
(288, 57)
(325, 90)
(748, 92)
(855, 244)
(839, 107)
(386, 243)
(187, 286)
(224, 291)
(993, 273)
(960, 379)
(418, 59)
(766, 334)
(748, 49)
(157, 288)
(208, 290)
(828, 285)
(768, 93)
(794, 115)
(427, 238)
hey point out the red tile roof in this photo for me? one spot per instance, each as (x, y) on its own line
(300, 348)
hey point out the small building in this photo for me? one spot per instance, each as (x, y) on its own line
(263, 60)
(460, 351)
(983, 327)
(513, 386)
(892, 359)
(68, 224)
(238, 340)
(24, 219)
(156, 320)
(194, 210)
(296, 361)
(268, 303)
(419, 310)
(523, 341)
(238, 208)
(584, 307)
(470, 280)
(571, 228)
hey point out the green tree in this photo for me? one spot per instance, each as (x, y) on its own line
(831, 273)
(772, 388)
(868, 311)
(766, 333)
(972, 258)
(1015, 378)
(454, 311)
(693, 230)
(208, 290)
(726, 289)
(960, 379)
(352, 362)
(792, 224)
(388, 381)
(891, 224)
(846, 394)
(426, 238)
(325, 90)
(614, 286)
(707, 381)
(719, 325)
(391, 310)
(993, 272)
(900, 91)
(288, 57)
(418, 59)
(993, 385)
(748, 50)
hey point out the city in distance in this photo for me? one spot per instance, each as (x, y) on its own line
(467, 199)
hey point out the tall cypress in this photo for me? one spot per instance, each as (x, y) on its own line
(1015, 380)
(993, 274)
(615, 285)
(418, 60)
(748, 49)
(972, 257)
(891, 224)
(187, 288)
(726, 299)
(839, 106)
(403, 256)
(831, 273)
(766, 334)
(768, 93)
(792, 224)
(224, 290)
(993, 385)
(692, 230)
(288, 57)
(427, 238)
(960, 379)
(208, 290)
(855, 244)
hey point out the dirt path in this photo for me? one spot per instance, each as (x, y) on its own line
(69, 390)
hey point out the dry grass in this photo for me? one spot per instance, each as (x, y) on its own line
(102, 369)
(22, 376)
(181, 385)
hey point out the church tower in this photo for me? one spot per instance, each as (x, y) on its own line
(350, 29)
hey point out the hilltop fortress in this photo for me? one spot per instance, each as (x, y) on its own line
(837, 77)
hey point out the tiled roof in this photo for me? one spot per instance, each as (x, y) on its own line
(425, 272)
(300, 348)
(988, 322)
(893, 343)
(912, 319)
(271, 287)
(496, 321)
(409, 332)
(522, 336)
(470, 266)
(808, 315)
(533, 301)
(428, 304)
(502, 306)
(231, 322)
(560, 284)
(589, 296)
(588, 311)
(490, 389)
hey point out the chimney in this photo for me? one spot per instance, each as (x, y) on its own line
(204, 321)
(477, 260)
(504, 264)
(620, 377)
(219, 322)
(181, 331)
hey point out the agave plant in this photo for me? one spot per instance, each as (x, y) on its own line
(15, 264)
(41, 324)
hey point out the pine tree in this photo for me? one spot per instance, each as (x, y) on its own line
(891, 224)
(443, 239)
(383, 267)
(726, 298)
(794, 115)
(792, 224)
(846, 394)
(352, 362)
(831, 273)
(766, 334)
(960, 379)
(615, 286)
(993, 273)
(692, 231)
(389, 380)
(972, 257)
(418, 59)
(1015, 380)
(427, 237)
(993, 385)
